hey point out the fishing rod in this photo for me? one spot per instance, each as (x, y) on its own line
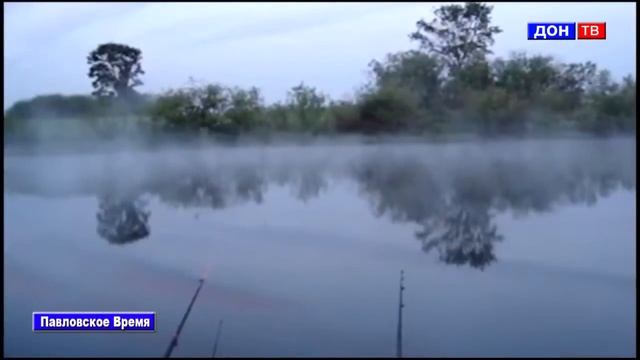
(400, 306)
(174, 341)
(215, 345)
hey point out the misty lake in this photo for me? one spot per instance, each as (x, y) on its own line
(509, 248)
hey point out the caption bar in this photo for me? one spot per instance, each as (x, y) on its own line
(94, 321)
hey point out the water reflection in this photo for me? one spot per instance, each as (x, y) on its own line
(461, 236)
(454, 206)
(454, 215)
(202, 186)
(122, 220)
(454, 203)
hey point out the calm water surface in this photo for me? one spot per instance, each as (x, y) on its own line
(518, 248)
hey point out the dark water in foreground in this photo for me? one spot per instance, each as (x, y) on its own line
(522, 248)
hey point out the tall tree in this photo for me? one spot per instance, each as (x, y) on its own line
(459, 35)
(115, 69)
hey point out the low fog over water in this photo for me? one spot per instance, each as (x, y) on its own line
(511, 247)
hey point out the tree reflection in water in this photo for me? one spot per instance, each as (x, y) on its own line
(455, 204)
(455, 220)
(461, 236)
(453, 200)
(122, 220)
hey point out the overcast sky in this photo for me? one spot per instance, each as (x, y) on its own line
(271, 46)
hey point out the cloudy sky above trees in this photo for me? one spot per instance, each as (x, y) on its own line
(271, 46)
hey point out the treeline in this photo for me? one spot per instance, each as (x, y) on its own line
(409, 92)
(449, 85)
(74, 117)
(518, 95)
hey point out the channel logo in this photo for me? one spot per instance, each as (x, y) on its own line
(567, 31)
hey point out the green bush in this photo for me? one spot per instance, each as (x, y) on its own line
(210, 108)
(387, 110)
